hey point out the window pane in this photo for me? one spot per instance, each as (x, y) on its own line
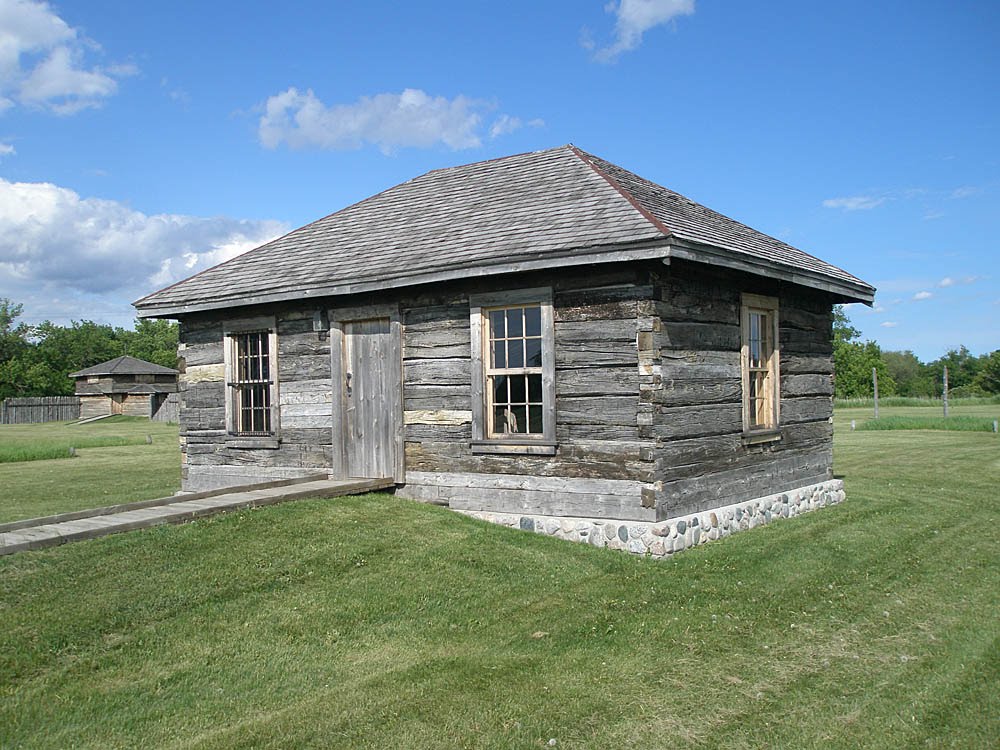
(533, 348)
(517, 389)
(515, 327)
(515, 353)
(535, 419)
(499, 355)
(500, 390)
(520, 419)
(497, 328)
(500, 420)
(532, 321)
(265, 359)
(535, 389)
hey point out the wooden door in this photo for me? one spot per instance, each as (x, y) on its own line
(118, 404)
(371, 397)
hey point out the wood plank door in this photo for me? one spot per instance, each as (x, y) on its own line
(370, 423)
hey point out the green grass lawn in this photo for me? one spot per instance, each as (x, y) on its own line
(125, 469)
(869, 624)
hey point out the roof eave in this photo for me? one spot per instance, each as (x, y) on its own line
(846, 290)
(646, 250)
(663, 249)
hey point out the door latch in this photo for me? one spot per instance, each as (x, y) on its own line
(348, 385)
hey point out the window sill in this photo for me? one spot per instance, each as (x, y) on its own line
(250, 443)
(770, 435)
(523, 448)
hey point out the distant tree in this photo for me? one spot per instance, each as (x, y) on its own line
(36, 360)
(843, 331)
(962, 368)
(853, 361)
(912, 377)
(153, 341)
(13, 335)
(989, 372)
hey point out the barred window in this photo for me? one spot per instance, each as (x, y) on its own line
(250, 384)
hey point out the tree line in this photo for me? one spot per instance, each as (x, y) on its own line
(902, 373)
(35, 360)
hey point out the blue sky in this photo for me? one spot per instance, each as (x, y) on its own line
(142, 142)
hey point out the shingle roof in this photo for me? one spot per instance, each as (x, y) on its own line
(536, 210)
(124, 366)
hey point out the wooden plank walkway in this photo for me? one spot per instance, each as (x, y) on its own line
(179, 509)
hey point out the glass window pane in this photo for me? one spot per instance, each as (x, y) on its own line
(517, 389)
(532, 321)
(500, 390)
(515, 353)
(517, 419)
(535, 389)
(515, 322)
(497, 328)
(499, 354)
(500, 420)
(535, 425)
(533, 348)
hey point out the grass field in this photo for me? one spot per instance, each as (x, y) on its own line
(126, 468)
(869, 624)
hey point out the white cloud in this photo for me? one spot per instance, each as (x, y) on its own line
(505, 124)
(889, 324)
(6, 150)
(42, 61)
(966, 191)
(633, 18)
(948, 281)
(855, 202)
(390, 121)
(922, 295)
(54, 244)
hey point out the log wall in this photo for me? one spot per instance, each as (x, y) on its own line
(703, 459)
(648, 400)
(209, 454)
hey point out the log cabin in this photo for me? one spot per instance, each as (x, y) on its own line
(124, 385)
(531, 339)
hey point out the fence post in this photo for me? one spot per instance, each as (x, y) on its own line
(875, 389)
(944, 391)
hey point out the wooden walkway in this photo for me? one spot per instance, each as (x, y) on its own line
(39, 533)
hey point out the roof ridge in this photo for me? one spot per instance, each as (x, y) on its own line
(646, 213)
(495, 158)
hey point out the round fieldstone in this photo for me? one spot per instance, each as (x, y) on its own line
(527, 524)
(623, 533)
(681, 526)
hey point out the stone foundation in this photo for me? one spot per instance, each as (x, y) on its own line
(673, 535)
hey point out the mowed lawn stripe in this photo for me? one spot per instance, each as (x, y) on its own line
(375, 622)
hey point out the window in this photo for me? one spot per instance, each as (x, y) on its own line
(514, 371)
(513, 390)
(759, 363)
(251, 381)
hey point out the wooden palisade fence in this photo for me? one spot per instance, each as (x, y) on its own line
(41, 409)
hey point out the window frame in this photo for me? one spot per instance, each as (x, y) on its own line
(543, 443)
(759, 304)
(232, 333)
